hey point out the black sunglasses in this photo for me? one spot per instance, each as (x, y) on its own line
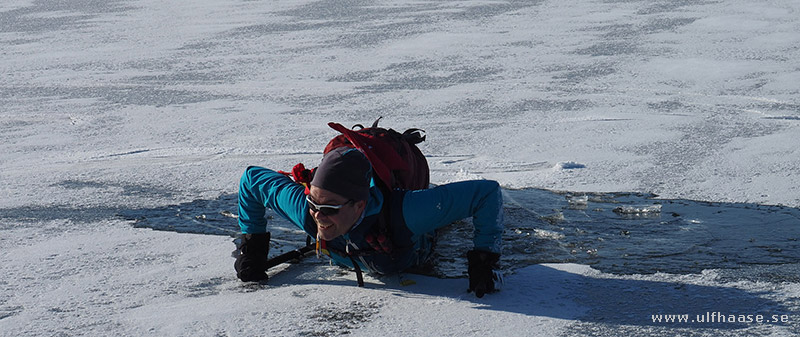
(326, 210)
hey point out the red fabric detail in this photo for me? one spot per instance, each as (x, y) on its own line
(300, 175)
(297, 173)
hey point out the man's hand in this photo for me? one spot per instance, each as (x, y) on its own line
(481, 271)
(251, 265)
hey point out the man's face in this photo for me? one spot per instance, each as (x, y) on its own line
(330, 227)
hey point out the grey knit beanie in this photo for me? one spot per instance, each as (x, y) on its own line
(346, 172)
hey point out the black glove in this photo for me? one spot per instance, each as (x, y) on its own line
(251, 264)
(481, 271)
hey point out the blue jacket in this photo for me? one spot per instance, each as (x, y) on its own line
(413, 217)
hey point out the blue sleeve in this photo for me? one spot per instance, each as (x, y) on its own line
(427, 210)
(260, 188)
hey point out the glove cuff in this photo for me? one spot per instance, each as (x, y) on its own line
(255, 243)
(478, 258)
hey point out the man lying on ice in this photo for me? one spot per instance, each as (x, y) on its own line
(362, 226)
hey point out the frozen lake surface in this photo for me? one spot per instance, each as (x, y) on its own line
(647, 150)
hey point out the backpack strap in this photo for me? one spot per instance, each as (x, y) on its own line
(375, 123)
(414, 136)
(379, 238)
(359, 274)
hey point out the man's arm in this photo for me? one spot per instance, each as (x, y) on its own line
(427, 210)
(260, 188)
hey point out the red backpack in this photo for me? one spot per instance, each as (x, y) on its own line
(396, 160)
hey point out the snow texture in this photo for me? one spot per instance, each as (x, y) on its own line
(125, 125)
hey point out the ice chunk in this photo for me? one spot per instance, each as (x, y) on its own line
(651, 209)
(575, 200)
(568, 165)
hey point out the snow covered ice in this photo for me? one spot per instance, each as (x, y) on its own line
(125, 125)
